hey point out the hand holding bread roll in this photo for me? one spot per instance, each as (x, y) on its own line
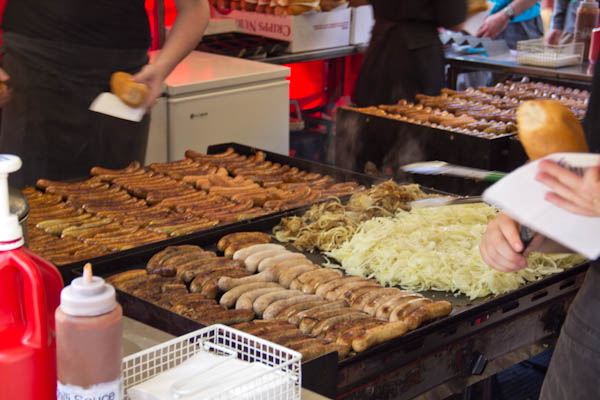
(131, 93)
(546, 127)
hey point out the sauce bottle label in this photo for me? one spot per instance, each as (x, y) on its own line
(103, 391)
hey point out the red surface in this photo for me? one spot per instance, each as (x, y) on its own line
(29, 294)
(308, 81)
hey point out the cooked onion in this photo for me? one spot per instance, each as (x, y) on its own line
(437, 249)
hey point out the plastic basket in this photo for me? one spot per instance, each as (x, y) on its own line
(281, 380)
(536, 52)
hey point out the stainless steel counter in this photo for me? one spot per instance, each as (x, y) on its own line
(578, 75)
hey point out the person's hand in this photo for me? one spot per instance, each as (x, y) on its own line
(501, 246)
(153, 77)
(554, 36)
(493, 25)
(571, 192)
(5, 91)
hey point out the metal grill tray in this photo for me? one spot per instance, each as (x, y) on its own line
(326, 375)
(340, 175)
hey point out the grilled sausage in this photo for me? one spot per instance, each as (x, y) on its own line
(227, 283)
(403, 310)
(242, 254)
(230, 297)
(385, 309)
(324, 288)
(325, 324)
(254, 259)
(373, 305)
(226, 240)
(270, 261)
(275, 308)
(361, 301)
(246, 300)
(308, 322)
(378, 334)
(310, 280)
(330, 305)
(287, 276)
(290, 310)
(228, 317)
(262, 302)
(426, 313)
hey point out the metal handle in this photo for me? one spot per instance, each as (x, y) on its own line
(526, 235)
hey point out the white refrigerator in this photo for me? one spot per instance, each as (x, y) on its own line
(212, 99)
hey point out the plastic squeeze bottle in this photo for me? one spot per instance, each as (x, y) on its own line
(586, 19)
(88, 340)
(29, 293)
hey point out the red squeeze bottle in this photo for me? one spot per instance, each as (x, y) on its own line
(594, 45)
(29, 294)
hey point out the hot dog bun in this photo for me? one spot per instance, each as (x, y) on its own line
(131, 93)
(328, 5)
(546, 126)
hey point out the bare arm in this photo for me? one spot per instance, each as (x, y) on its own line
(190, 23)
(497, 22)
(5, 91)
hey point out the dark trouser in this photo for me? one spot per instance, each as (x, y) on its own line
(48, 123)
(574, 372)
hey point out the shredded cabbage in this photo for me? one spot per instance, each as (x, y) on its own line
(437, 249)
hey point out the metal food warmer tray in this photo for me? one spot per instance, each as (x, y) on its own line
(340, 175)
(391, 143)
(459, 345)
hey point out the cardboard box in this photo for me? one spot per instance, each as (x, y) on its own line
(362, 23)
(310, 31)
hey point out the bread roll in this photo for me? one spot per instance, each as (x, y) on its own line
(297, 7)
(131, 93)
(546, 126)
(328, 5)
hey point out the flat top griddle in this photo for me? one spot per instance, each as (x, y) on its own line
(327, 375)
(467, 317)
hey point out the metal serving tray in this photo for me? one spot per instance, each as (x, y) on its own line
(340, 175)
(458, 344)
(391, 143)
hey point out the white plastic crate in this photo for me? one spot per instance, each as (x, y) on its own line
(281, 379)
(537, 52)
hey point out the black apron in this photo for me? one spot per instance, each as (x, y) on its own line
(392, 69)
(48, 123)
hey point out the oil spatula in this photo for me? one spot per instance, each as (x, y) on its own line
(444, 168)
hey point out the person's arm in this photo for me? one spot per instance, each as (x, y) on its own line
(186, 32)
(500, 246)
(497, 22)
(557, 23)
(5, 91)
(358, 3)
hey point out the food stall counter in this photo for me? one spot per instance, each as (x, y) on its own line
(576, 75)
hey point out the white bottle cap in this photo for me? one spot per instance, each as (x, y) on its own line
(88, 296)
(11, 234)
